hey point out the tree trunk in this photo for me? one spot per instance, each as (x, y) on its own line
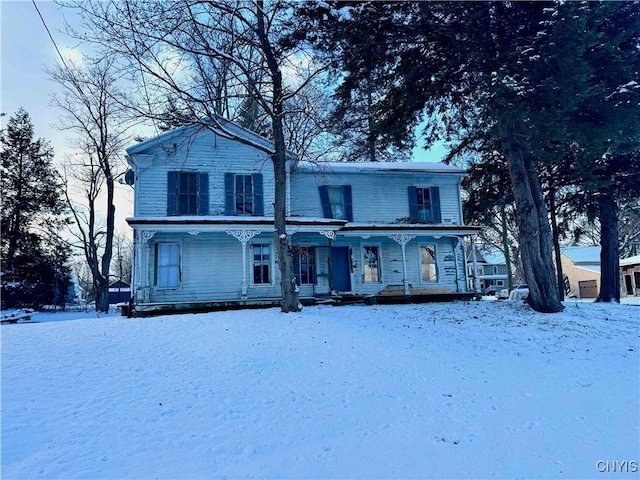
(102, 295)
(609, 260)
(533, 224)
(289, 289)
(505, 247)
(556, 242)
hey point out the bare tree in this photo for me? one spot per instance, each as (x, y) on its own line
(209, 58)
(122, 262)
(92, 110)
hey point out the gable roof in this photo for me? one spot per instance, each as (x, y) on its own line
(582, 254)
(219, 126)
(492, 255)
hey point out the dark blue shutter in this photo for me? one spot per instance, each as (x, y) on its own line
(413, 204)
(172, 193)
(229, 197)
(348, 202)
(324, 199)
(258, 197)
(203, 194)
(436, 215)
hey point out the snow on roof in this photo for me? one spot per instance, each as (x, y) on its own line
(625, 262)
(217, 125)
(582, 254)
(491, 255)
(360, 167)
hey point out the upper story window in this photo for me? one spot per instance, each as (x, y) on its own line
(243, 194)
(336, 201)
(187, 193)
(424, 205)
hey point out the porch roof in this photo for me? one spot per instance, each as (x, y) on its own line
(354, 229)
(225, 223)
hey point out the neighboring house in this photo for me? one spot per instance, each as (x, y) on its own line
(630, 271)
(492, 268)
(204, 235)
(581, 268)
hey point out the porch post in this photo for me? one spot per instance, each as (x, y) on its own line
(145, 283)
(476, 286)
(331, 236)
(243, 236)
(402, 239)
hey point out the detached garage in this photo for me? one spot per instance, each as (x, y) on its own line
(581, 268)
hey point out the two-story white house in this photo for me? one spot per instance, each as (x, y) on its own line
(204, 234)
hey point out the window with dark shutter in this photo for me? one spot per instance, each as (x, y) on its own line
(187, 193)
(336, 201)
(244, 194)
(424, 205)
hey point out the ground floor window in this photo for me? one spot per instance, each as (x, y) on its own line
(304, 265)
(167, 265)
(261, 263)
(371, 264)
(429, 271)
(500, 283)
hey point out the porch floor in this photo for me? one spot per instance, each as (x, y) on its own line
(149, 309)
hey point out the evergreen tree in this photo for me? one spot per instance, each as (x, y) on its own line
(34, 258)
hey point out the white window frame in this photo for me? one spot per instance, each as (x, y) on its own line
(270, 264)
(500, 283)
(298, 274)
(364, 262)
(156, 273)
(435, 258)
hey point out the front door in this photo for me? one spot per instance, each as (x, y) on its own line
(341, 269)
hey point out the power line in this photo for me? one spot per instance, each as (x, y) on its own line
(64, 63)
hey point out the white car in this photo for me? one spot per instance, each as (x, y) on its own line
(519, 292)
(502, 294)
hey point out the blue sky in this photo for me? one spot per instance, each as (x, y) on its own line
(26, 50)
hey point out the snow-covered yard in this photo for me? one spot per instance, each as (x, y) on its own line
(460, 390)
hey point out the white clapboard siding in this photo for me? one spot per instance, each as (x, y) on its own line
(211, 268)
(377, 196)
(449, 278)
(204, 152)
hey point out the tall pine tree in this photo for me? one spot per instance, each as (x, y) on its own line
(34, 258)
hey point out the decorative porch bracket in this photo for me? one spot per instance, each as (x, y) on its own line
(330, 234)
(402, 239)
(243, 236)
